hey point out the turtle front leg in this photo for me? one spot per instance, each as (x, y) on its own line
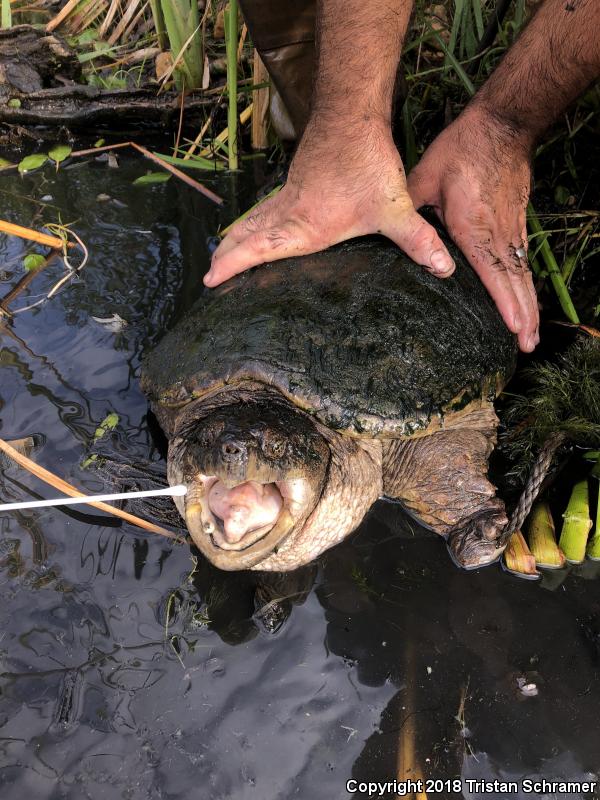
(442, 480)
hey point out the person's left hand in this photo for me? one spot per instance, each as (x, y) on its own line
(477, 177)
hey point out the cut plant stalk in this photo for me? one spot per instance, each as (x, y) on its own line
(577, 524)
(542, 538)
(33, 236)
(518, 558)
(231, 20)
(593, 548)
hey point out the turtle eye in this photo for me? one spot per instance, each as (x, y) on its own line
(273, 446)
(206, 437)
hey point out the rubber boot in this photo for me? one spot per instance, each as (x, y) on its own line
(283, 32)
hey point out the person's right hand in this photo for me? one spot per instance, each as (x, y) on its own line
(349, 186)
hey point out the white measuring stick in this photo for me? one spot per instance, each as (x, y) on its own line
(175, 491)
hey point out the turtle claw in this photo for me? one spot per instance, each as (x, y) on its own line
(479, 542)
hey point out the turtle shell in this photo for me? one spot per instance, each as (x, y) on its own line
(358, 335)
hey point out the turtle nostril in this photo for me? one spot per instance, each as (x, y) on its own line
(232, 450)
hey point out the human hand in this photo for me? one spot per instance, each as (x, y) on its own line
(337, 189)
(477, 177)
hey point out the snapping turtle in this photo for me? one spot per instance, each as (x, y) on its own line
(299, 392)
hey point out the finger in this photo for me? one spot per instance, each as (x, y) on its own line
(530, 283)
(522, 284)
(266, 245)
(421, 242)
(492, 272)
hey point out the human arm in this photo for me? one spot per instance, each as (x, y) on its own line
(477, 173)
(346, 178)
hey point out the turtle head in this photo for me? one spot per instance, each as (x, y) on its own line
(254, 472)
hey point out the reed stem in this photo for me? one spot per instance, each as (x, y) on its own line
(231, 30)
(6, 17)
(547, 256)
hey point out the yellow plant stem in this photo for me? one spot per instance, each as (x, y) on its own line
(593, 548)
(518, 558)
(542, 538)
(576, 525)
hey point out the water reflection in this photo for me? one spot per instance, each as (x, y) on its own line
(128, 667)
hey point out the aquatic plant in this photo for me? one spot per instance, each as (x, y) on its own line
(563, 400)
(180, 22)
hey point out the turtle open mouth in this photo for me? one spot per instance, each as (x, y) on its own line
(238, 526)
(243, 514)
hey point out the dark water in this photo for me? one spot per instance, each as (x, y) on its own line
(129, 671)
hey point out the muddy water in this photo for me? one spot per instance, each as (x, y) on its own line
(129, 671)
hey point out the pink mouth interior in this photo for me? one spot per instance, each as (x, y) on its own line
(245, 508)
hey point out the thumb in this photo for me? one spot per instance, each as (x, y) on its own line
(421, 242)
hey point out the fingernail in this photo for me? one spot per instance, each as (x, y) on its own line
(441, 263)
(208, 278)
(531, 342)
(517, 322)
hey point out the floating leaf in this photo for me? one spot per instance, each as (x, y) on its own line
(99, 142)
(5, 163)
(33, 261)
(59, 153)
(14, 103)
(32, 162)
(109, 423)
(197, 162)
(152, 177)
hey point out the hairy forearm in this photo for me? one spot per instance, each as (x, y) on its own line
(359, 45)
(556, 57)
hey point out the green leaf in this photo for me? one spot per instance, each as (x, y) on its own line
(100, 49)
(87, 37)
(152, 177)
(108, 424)
(33, 261)
(196, 162)
(5, 163)
(89, 461)
(99, 143)
(561, 195)
(32, 162)
(59, 153)
(14, 103)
